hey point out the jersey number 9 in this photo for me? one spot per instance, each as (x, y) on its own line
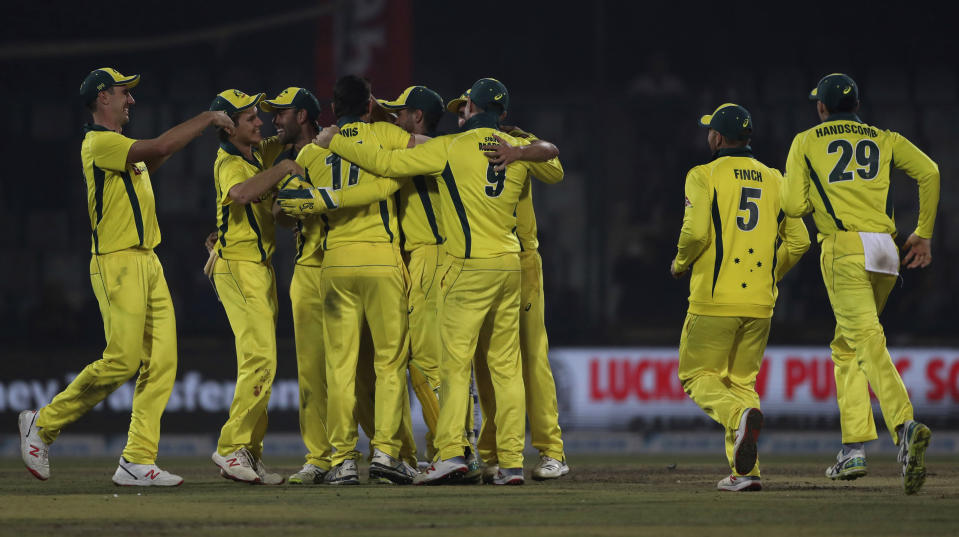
(496, 182)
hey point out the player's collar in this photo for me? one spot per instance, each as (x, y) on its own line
(744, 151)
(348, 119)
(233, 150)
(843, 116)
(94, 127)
(483, 119)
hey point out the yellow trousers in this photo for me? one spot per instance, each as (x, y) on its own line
(719, 359)
(859, 347)
(480, 304)
(140, 329)
(426, 348)
(248, 292)
(365, 283)
(542, 408)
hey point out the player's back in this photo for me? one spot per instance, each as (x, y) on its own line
(735, 275)
(375, 222)
(848, 164)
(479, 203)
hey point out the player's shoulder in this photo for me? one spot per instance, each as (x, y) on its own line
(98, 136)
(386, 134)
(311, 153)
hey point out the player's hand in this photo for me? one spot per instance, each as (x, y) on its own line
(325, 136)
(304, 202)
(293, 167)
(672, 271)
(503, 154)
(210, 241)
(918, 252)
(221, 120)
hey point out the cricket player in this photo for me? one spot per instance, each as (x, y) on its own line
(138, 318)
(244, 177)
(480, 286)
(738, 244)
(839, 171)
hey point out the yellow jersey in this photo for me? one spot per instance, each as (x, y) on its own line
(372, 222)
(847, 163)
(120, 197)
(736, 237)
(244, 232)
(478, 204)
(526, 219)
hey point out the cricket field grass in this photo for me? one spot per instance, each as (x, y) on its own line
(635, 495)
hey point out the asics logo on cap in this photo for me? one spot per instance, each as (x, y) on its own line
(846, 90)
(746, 123)
(498, 96)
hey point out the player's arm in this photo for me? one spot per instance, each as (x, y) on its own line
(795, 243)
(795, 192)
(282, 219)
(535, 151)
(251, 189)
(910, 159)
(694, 236)
(305, 201)
(427, 159)
(155, 151)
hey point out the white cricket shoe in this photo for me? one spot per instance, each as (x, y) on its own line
(848, 466)
(509, 476)
(266, 477)
(129, 474)
(489, 473)
(238, 466)
(343, 474)
(745, 453)
(310, 474)
(445, 471)
(550, 468)
(383, 466)
(740, 483)
(35, 453)
(912, 449)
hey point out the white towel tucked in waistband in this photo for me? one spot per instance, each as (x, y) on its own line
(881, 253)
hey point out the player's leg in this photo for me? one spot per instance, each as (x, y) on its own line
(506, 373)
(853, 294)
(119, 284)
(365, 387)
(259, 431)
(745, 359)
(248, 293)
(542, 407)
(855, 411)
(311, 372)
(342, 324)
(425, 346)
(157, 369)
(486, 441)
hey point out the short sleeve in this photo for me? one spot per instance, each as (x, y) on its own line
(110, 150)
(230, 173)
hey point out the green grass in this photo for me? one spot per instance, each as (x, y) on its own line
(637, 495)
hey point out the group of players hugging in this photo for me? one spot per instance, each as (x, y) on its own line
(416, 263)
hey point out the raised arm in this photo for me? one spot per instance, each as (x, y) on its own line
(155, 151)
(694, 236)
(795, 192)
(254, 187)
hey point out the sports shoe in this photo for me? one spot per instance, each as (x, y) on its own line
(449, 470)
(343, 474)
(310, 474)
(130, 474)
(550, 468)
(474, 472)
(383, 466)
(35, 453)
(850, 466)
(744, 452)
(740, 483)
(237, 466)
(509, 476)
(489, 473)
(266, 477)
(912, 449)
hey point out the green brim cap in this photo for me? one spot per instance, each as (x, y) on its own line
(416, 98)
(232, 101)
(104, 78)
(489, 91)
(730, 120)
(455, 104)
(296, 98)
(836, 90)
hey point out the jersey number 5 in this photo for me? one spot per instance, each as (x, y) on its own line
(867, 156)
(496, 182)
(747, 203)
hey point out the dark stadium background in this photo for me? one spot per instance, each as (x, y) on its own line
(618, 86)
